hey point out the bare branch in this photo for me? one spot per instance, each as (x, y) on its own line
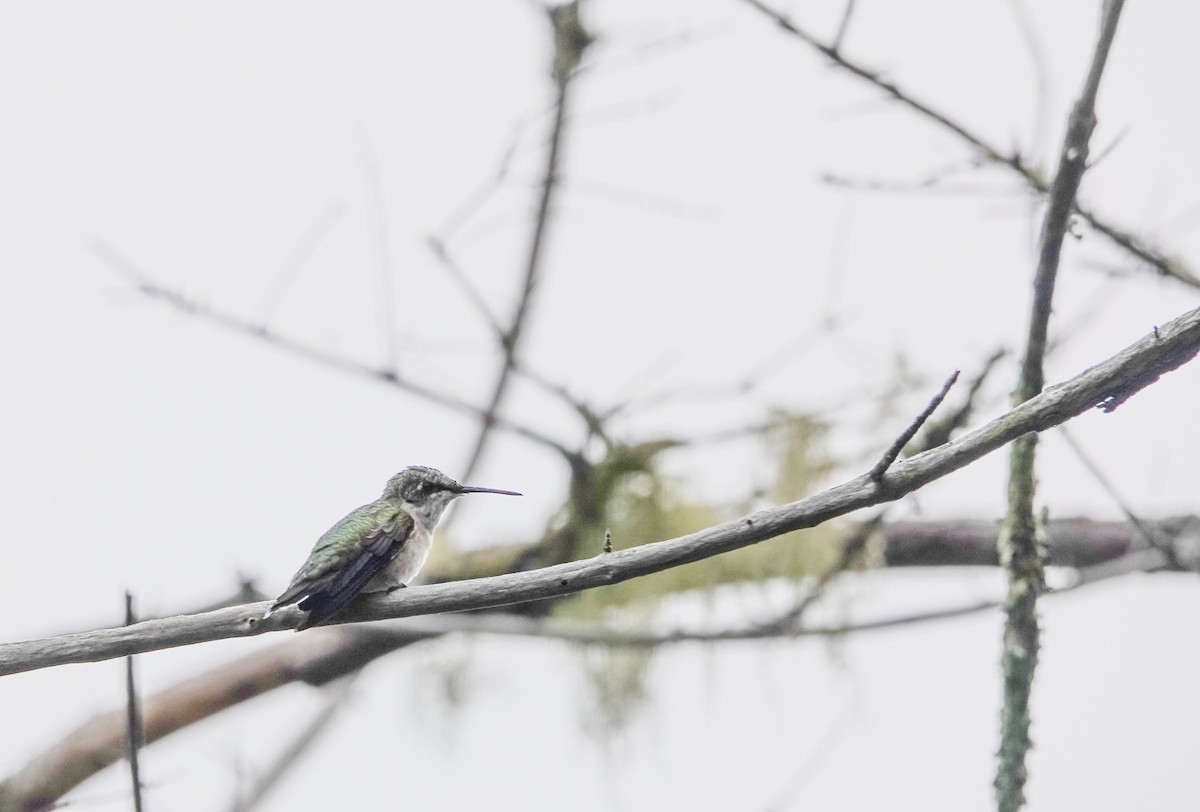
(146, 285)
(475, 201)
(460, 278)
(1176, 342)
(880, 468)
(1041, 70)
(315, 659)
(296, 259)
(843, 26)
(935, 434)
(1018, 543)
(1070, 542)
(325, 656)
(133, 716)
(512, 334)
(1147, 533)
(288, 757)
(1167, 266)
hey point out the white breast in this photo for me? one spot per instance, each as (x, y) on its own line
(405, 566)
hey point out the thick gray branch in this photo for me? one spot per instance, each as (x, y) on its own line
(1138, 365)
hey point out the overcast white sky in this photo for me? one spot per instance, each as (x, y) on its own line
(147, 451)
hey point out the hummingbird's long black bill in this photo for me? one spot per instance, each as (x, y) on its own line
(472, 489)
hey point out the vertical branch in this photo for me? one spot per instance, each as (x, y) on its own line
(1018, 545)
(570, 41)
(133, 716)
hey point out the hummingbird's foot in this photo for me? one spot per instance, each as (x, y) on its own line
(394, 588)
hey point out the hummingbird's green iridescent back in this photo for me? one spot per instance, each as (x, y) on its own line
(346, 558)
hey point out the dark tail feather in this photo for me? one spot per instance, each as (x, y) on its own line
(320, 608)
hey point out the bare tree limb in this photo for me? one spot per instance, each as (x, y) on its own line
(1149, 535)
(133, 715)
(843, 26)
(288, 757)
(1165, 265)
(935, 434)
(328, 655)
(439, 249)
(146, 285)
(1018, 543)
(1175, 343)
(1074, 542)
(297, 258)
(99, 742)
(567, 53)
(880, 468)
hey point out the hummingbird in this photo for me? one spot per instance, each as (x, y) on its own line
(378, 547)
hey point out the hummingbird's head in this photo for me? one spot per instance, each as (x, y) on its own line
(427, 492)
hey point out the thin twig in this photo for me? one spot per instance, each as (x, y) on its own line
(1041, 70)
(475, 201)
(897, 446)
(439, 249)
(1019, 548)
(936, 434)
(755, 376)
(297, 258)
(289, 756)
(146, 285)
(1167, 266)
(1144, 530)
(791, 792)
(1053, 407)
(133, 716)
(843, 26)
(939, 431)
(512, 334)
(852, 548)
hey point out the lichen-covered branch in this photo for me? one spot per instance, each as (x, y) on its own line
(1019, 543)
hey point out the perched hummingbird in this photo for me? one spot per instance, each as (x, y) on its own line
(378, 547)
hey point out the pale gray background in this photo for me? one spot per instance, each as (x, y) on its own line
(146, 451)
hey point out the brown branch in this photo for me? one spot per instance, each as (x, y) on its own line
(1055, 406)
(1166, 266)
(316, 659)
(1076, 542)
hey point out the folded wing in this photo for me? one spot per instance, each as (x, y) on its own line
(344, 560)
